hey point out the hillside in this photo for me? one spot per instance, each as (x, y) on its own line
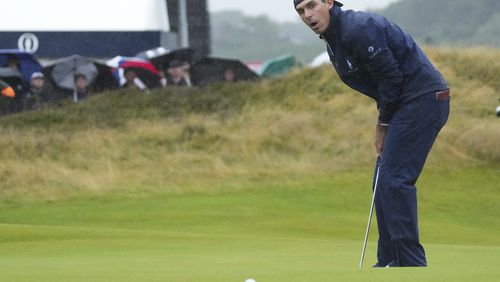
(307, 123)
(236, 35)
(449, 22)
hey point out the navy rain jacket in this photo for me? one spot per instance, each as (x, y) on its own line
(375, 57)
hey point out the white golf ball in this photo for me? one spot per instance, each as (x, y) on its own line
(250, 280)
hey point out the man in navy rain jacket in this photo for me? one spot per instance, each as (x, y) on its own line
(375, 57)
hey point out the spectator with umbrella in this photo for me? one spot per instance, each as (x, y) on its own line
(24, 62)
(132, 81)
(13, 77)
(82, 88)
(178, 74)
(136, 72)
(211, 70)
(7, 94)
(173, 65)
(162, 58)
(16, 70)
(78, 76)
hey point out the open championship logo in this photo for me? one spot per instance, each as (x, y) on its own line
(28, 42)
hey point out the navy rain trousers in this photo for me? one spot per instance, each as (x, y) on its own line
(411, 134)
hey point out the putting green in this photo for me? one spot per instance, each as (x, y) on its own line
(308, 230)
(122, 255)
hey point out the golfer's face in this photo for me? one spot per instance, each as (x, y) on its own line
(315, 14)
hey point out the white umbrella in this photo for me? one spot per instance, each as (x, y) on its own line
(66, 69)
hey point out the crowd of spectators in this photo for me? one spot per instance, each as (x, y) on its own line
(41, 90)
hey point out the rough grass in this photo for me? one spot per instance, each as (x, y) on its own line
(307, 123)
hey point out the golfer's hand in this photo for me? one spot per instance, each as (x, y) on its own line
(380, 133)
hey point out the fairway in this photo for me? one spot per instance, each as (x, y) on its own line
(302, 230)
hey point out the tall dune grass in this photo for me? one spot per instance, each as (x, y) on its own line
(305, 124)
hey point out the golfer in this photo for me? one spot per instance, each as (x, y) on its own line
(375, 57)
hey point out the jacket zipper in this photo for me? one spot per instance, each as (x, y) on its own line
(331, 51)
(329, 47)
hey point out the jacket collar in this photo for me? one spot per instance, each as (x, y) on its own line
(334, 27)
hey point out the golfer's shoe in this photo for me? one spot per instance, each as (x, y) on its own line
(391, 264)
(378, 264)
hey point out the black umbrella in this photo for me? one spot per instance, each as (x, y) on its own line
(210, 70)
(161, 58)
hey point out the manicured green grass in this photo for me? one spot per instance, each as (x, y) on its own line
(304, 229)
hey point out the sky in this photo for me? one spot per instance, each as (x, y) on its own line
(282, 10)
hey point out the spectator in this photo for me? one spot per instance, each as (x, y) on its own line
(132, 81)
(9, 94)
(18, 85)
(40, 93)
(179, 74)
(229, 75)
(82, 90)
(13, 63)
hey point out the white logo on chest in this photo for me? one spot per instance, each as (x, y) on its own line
(349, 64)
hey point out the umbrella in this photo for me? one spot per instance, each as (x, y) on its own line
(161, 57)
(209, 70)
(277, 66)
(27, 62)
(98, 74)
(62, 73)
(144, 69)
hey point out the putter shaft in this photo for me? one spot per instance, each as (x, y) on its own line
(370, 216)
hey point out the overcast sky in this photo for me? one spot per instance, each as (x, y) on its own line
(282, 10)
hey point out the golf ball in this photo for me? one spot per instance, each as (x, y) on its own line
(250, 280)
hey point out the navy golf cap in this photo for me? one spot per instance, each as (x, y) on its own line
(297, 2)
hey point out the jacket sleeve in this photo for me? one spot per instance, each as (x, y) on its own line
(368, 43)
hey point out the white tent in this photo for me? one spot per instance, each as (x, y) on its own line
(88, 15)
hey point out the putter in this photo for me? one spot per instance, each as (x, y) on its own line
(370, 216)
